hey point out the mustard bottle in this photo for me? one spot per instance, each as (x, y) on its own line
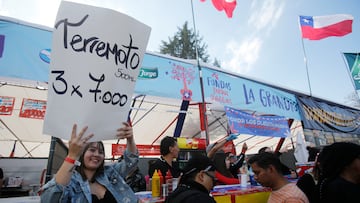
(155, 185)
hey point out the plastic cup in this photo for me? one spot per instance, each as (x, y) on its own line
(242, 180)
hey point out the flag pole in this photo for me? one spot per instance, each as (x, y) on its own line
(306, 66)
(305, 59)
(203, 106)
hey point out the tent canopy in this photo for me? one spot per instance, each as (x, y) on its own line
(152, 118)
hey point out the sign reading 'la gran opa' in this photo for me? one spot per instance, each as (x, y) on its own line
(95, 60)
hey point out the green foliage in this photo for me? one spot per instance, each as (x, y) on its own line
(183, 45)
(217, 63)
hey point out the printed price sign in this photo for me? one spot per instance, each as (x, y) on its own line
(95, 60)
(6, 105)
(32, 108)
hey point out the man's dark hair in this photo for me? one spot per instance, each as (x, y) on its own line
(265, 159)
(335, 157)
(313, 152)
(165, 143)
(262, 149)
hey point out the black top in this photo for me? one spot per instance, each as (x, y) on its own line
(234, 167)
(191, 192)
(341, 190)
(108, 198)
(164, 167)
(307, 184)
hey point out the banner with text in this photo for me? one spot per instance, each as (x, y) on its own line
(166, 77)
(144, 150)
(353, 62)
(6, 105)
(324, 117)
(95, 60)
(33, 108)
(241, 93)
(243, 123)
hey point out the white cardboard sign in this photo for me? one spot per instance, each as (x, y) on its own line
(95, 60)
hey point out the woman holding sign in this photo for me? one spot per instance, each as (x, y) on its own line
(88, 180)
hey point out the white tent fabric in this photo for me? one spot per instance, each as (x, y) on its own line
(301, 153)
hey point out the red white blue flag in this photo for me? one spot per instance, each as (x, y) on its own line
(319, 27)
(224, 5)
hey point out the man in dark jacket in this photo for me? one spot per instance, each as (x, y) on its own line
(196, 182)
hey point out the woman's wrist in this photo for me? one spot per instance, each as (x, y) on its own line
(70, 160)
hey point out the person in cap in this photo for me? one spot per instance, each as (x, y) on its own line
(339, 179)
(196, 182)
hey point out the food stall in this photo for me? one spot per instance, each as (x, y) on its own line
(237, 194)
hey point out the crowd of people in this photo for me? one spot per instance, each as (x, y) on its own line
(84, 176)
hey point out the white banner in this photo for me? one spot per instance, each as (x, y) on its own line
(95, 60)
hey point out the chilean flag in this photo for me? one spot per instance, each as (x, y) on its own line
(319, 27)
(224, 5)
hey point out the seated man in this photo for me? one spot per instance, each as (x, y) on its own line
(196, 182)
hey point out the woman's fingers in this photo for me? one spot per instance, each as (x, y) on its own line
(87, 138)
(82, 132)
(79, 138)
(125, 131)
(73, 133)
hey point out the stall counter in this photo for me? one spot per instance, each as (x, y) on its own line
(238, 194)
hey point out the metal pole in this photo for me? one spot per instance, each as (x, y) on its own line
(50, 160)
(306, 65)
(305, 60)
(200, 78)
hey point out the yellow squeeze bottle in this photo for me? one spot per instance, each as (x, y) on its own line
(155, 185)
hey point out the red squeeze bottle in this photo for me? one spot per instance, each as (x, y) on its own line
(161, 177)
(168, 180)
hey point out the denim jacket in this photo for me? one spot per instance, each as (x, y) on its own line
(78, 190)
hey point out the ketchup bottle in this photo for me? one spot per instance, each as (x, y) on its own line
(168, 180)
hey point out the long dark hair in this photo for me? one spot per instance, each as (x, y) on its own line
(333, 159)
(219, 162)
(81, 168)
